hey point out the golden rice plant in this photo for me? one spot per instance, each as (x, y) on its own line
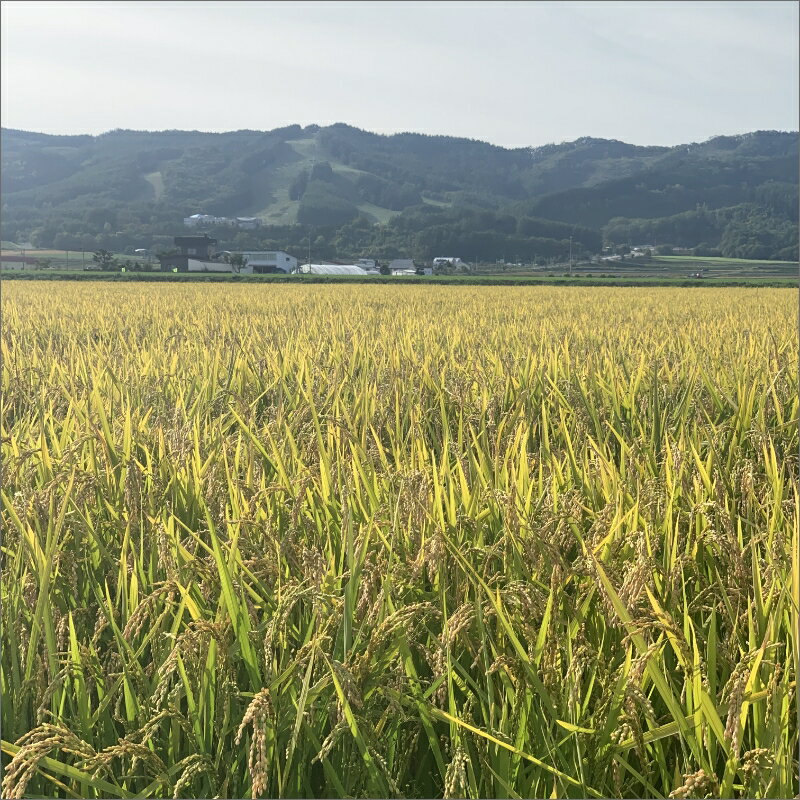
(368, 541)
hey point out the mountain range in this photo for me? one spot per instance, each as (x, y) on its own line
(351, 191)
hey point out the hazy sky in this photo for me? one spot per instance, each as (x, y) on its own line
(514, 73)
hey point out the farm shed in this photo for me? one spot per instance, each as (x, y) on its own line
(268, 260)
(195, 265)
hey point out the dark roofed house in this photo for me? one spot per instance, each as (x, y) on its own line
(195, 246)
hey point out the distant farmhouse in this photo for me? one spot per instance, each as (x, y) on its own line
(198, 254)
(406, 266)
(206, 220)
(402, 266)
(189, 247)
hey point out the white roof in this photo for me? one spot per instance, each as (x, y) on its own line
(332, 269)
(268, 255)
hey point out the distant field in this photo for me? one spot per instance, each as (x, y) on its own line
(680, 266)
(34, 253)
(497, 279)
(721, 260)
(727, 267)
(663, 270)
(73, 258)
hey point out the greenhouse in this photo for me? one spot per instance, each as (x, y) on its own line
(331, 269)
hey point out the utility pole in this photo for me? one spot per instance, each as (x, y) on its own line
(570, 255)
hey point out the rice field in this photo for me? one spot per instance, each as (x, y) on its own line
(386, 541)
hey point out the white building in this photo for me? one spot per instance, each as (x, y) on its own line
(442, 260)
(367, 263)
(199, 219)
(423, 271)
(406, 266)
(195, 265)
(399, 265)
(202, 220)
(268, 260)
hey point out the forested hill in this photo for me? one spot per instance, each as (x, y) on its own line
(434, 193)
